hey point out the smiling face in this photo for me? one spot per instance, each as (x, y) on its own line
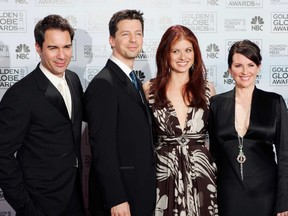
(56, 51)
(128, 41)
(181, 56)
(243, 71)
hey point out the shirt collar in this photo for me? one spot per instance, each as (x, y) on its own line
(123, 66)
(55, 80)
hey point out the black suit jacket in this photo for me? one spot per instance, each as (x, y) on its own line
(34, 122)
(120, 136)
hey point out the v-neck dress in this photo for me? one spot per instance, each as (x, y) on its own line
(263, 190)
(185, 169)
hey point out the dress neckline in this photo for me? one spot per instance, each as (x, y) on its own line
(173, 110)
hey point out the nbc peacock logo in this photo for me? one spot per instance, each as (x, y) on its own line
(257, 23)
(22, 51)
(140, 74)
(212, 51)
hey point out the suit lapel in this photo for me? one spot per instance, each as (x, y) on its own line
(50, 92)
(73, 96)
(139, 97)
(125, 82)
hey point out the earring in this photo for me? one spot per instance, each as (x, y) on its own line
(192, 67)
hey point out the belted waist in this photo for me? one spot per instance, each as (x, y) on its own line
(184, 139)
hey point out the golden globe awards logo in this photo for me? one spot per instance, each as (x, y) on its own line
(12, 21)
(244, 4)
(90, 72)
(199, 21)
(48, 3)
(230, 42)
(279, 22)
(279, 75)
(10, 75)
(149, 50)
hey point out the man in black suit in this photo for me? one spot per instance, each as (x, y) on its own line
(122, 173)
(43, 127)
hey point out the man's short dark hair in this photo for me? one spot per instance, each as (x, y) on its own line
(124, 15)
(52, 21)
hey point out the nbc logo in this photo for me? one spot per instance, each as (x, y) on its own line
(22, 51)
(257, 23)
(212, 51)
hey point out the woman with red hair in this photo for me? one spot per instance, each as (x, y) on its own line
(179, 100)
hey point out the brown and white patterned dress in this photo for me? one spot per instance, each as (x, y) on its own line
(185, 169)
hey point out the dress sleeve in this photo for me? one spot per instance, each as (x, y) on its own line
(211, 129)
(281, 144)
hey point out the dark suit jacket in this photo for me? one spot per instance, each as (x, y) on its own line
(265, 181)
(120, 136)
(34, 122)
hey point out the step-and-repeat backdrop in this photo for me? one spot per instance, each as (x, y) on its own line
(216, 23)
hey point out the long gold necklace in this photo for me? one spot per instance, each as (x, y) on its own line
(241, 158)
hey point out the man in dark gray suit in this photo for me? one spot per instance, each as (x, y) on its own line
(40, 121)
(123, 176)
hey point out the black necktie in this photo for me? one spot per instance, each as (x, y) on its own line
(134, 79)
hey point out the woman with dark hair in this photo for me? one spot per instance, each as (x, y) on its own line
(179, 100)
(245, 124)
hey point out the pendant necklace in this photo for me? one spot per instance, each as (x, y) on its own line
(241, 158)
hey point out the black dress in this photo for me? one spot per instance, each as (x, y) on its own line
(264, 188)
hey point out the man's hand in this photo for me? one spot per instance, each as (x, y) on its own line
(122, 209)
